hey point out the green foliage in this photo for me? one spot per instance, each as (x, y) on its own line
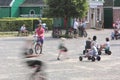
(48, 21)
(66, 8)
(14, 24)
(81, 7)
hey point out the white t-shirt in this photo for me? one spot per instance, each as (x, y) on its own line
(75, 25)
(23, 28)
(107, 44)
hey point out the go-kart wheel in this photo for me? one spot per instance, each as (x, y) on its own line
(83, 52)
(89, 57)
(80, 58)
(98, 58)
(31, 51)
(99, 52)
(109, 52)
(93, 58)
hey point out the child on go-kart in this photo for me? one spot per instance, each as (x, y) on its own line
(93, 51)
(106, 46)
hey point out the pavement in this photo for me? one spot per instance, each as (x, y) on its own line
(12, 66)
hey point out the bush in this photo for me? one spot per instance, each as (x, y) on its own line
(14, 24)
(49, 22)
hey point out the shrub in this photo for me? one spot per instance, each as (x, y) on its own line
(14, 24)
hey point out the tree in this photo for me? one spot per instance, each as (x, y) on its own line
(66, 9)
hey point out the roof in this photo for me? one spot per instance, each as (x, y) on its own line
(4, 3)
(32, 3)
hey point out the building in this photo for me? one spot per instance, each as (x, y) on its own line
(21, 8)
(32, 8)
(95, 13)
(111, 12)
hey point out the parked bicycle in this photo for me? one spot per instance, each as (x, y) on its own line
(71, 32)
(57, 32)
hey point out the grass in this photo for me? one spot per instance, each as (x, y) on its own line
(8, 34)
(11, 33)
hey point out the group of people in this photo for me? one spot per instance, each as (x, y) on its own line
(79, 27)
(90, 44)
(93, 48)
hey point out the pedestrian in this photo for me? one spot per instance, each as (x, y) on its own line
(62, 48)
(76, 24)
(83, 28)
(45, 27)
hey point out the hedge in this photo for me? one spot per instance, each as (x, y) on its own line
(14, 24)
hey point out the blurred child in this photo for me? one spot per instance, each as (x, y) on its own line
(106, 45)
(93, 51)
(62, 48)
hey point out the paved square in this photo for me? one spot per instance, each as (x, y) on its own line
(12, 65)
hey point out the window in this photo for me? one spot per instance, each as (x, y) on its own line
(87, 17)
(98, 14)
(32, 12)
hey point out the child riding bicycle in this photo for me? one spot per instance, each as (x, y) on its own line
(40, 35)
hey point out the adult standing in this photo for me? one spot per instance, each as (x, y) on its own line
(76, 24)
(83, 27)
(45, 27)
(40, 35)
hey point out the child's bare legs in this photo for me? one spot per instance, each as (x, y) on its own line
(65, 54)
(102, 47)
(58, 58)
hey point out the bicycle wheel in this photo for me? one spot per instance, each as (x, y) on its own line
(85, 34)
(38, 48)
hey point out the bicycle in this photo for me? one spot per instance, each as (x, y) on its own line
(56, 33)
(71, 32)
(36, 46)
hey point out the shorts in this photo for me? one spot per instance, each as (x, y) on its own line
(62, 48)
(41, 40)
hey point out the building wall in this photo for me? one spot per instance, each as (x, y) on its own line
(116, 14)
(15, 12)
(95, 15)
(27, 11)
(5, 12)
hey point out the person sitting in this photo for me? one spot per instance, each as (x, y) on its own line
(23, 30)
(106, 45)
(93, 51)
